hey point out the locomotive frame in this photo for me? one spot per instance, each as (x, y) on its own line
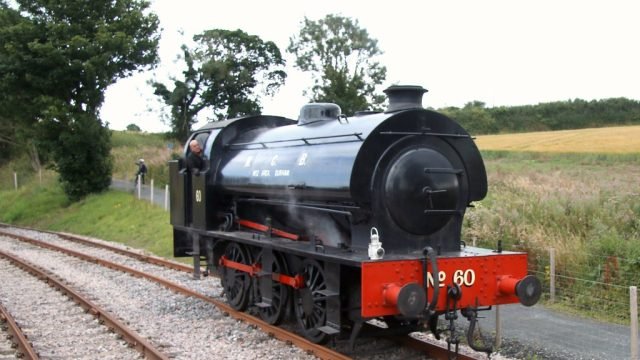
(341, 220)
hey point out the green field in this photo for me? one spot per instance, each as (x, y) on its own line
(113, 215)
(585, 206)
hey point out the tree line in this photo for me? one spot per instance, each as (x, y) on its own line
(58, 58)
(557, 115)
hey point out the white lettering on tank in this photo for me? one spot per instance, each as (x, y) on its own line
(248, 161)
(282, 172)
(302, 159)
(274, 160)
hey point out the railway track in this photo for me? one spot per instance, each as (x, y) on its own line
(14, 343)
(45, 306)
(164, 269)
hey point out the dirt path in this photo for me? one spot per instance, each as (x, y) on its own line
(541, 333)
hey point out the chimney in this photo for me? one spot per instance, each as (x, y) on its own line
(404, 97)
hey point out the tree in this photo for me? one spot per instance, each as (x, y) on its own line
(57, 59)
(82, 154)
(474, 117)
(17, 108)
(341, 56)
(225, 71)
(133, 127)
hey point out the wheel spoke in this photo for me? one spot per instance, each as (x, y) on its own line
(314, 278)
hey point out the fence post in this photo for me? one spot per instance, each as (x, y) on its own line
(15, 180)
(166, 197)
(633, 307)
(139, 184)
(552, 275)
(151, 192)
(40, 173)
(498, 328)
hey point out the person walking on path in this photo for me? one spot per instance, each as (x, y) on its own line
(142, 171)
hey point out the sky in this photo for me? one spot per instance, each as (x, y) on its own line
(498, 52)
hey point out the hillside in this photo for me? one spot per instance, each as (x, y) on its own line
(155, 149)
(611, 140)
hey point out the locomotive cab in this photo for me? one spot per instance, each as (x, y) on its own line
(189, 195)
(195, 208)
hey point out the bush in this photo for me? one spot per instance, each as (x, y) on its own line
(80, 148)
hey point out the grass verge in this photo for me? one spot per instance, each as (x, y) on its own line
(113, 216)
(586, 208)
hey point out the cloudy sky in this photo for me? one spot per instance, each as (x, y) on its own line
(499, 52)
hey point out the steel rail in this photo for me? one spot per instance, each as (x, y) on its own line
(434, 350)
(24, 348)
(429, 347)
(141, 257)
(304, 344)
(143, 346)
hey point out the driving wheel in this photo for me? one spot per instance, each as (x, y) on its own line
(310, 305)
(279, 293)
(236, 283)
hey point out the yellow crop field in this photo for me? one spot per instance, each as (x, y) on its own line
(618, 140)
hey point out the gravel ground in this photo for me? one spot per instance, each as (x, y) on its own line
(182, 327)
(56, 326)
(190, 315)
(366, 347)
(6, 350)
(223, 335)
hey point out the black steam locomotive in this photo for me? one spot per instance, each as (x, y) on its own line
(344, 219)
